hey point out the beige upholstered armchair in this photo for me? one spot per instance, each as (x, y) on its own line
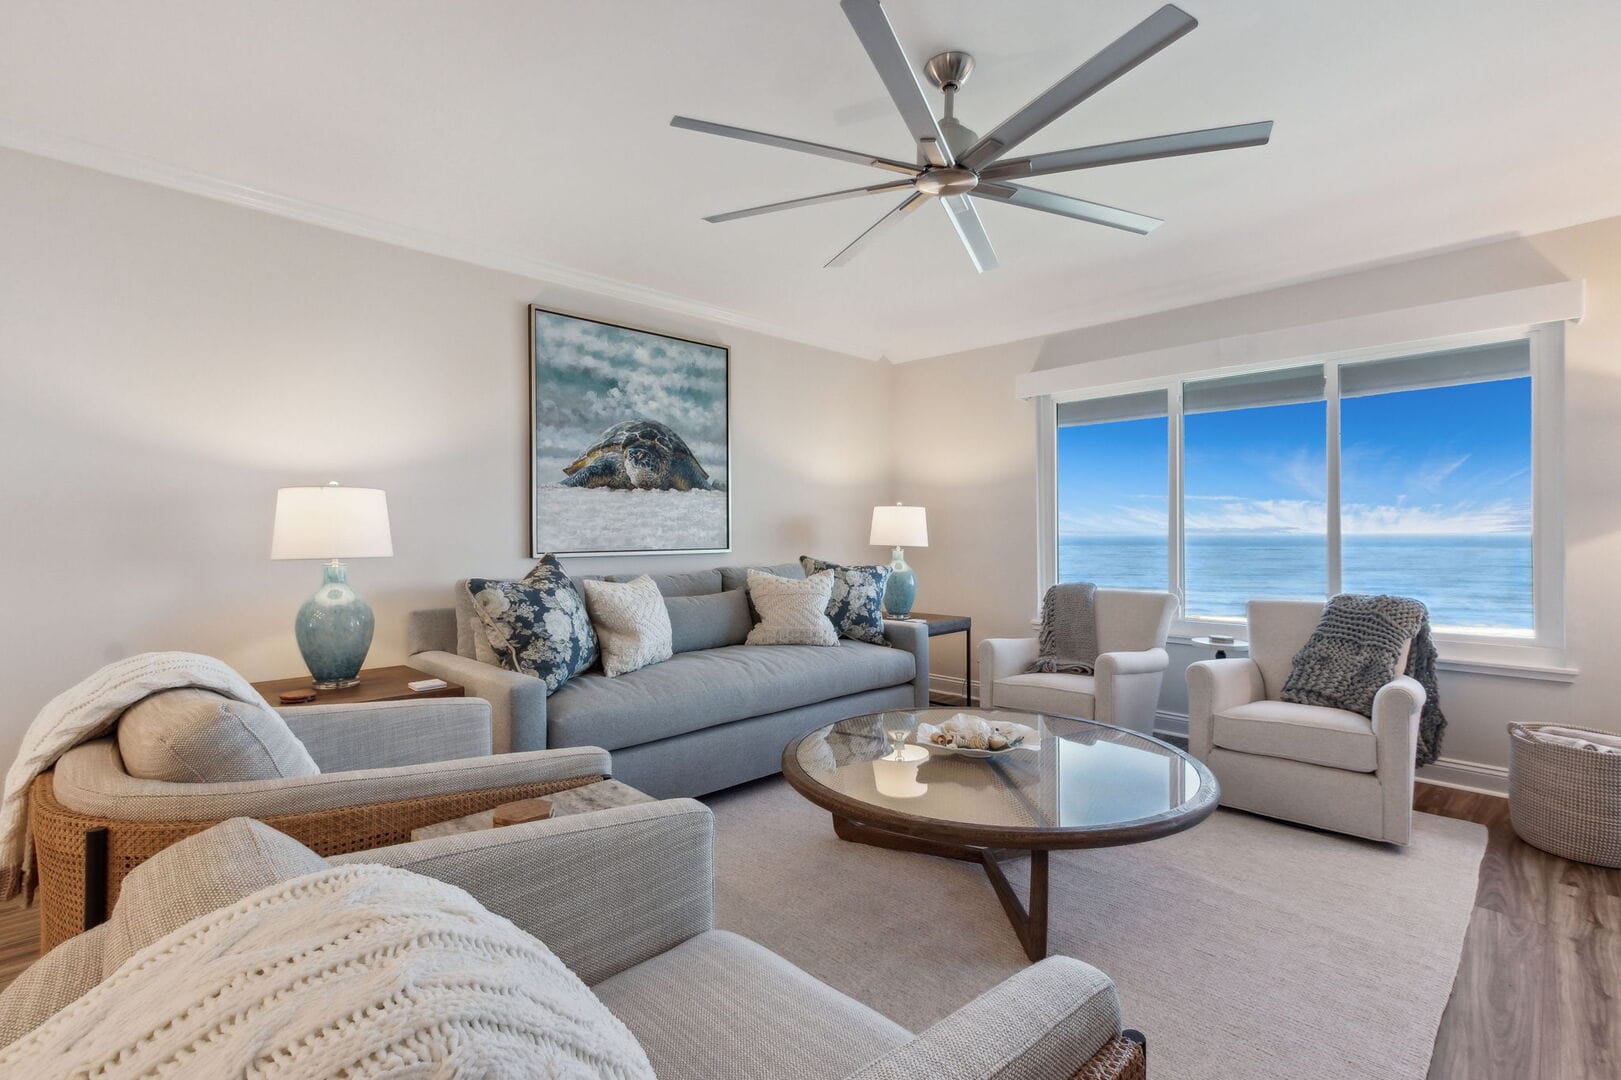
(1328, 768)
(1131, 627)
(386, 768)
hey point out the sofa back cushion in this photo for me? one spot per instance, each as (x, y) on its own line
(51, 983)
(202, 873)
(192, 735)
(708, 622)
(685, 583)
(737, 577)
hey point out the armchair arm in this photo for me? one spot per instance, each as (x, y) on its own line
(90, 779)
(1043, 1023)
(517, 702)
(1126, 688)
(604, 890)
(385, 734)
(1396, 711)
(1001, 657)
(1215, 685)
(914, 638)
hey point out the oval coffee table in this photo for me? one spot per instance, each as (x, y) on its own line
(1078, 784)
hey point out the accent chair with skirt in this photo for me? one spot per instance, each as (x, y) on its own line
(1325, 767)
(1123, 688)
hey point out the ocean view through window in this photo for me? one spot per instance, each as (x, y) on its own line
(1433, 496)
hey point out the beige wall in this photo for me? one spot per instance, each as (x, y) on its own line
(167, 362)
(976, 471)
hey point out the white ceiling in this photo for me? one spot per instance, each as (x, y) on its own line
(540, 129)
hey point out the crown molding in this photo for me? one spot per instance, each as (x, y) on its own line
(75, 151)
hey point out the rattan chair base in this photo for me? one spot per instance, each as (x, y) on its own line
(60, 841)
(1121, 1058)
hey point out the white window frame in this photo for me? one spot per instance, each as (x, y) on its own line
(1540, 654)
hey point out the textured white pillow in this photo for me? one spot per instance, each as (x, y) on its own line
(632, 623)
(792, 612)
(191, 735)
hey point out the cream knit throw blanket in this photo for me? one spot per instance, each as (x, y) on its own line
(83, 712)
(355, 971)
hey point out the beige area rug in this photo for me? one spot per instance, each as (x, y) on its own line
(1245, 949)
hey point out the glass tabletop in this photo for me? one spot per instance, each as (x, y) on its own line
(1071, 775)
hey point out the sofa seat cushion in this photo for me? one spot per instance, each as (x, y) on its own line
(696, 690)
(1332, 737)
(1058, 694)
(720, 1007)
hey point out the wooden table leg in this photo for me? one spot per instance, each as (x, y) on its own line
(1029, 922)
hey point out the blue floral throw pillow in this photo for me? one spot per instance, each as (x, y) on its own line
(537, 626)
(857, 605)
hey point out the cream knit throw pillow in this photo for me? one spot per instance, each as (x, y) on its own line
(792, 612)
(632, 623)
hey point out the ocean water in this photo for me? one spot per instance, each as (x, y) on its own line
(1477, 582)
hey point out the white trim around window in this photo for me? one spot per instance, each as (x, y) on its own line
(1540, 655)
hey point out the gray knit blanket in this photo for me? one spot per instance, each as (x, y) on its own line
(1069, 629)
(1353, 653)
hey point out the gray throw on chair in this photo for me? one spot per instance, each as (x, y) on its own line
(1353, 653)
(1069, 629)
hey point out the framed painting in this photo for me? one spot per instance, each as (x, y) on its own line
(630, 440)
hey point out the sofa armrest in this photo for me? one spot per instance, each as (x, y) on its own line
(517, 702)
(605, 890)
(90, 779)
(914, 638)
(385, 734)
(1043, 1023)
(1001, 657)
(1216, 685)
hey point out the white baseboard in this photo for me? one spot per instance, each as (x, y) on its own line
(947, 686)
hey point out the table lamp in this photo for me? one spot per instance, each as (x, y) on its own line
(334, 627)
(899, 526)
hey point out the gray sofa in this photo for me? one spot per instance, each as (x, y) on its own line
(705, 719)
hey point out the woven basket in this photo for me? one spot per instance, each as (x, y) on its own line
(59, 839)
(1563, 799)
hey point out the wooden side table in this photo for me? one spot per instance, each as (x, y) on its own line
(376, 684)
(953, 624)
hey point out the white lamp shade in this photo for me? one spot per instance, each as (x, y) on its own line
(331, 523)
(899, 526)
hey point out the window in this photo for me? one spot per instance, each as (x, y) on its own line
(1410, 474)
(1255, 520)
(1113, 497)
(1435, 500)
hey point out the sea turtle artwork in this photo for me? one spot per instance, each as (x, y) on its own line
(638, 454)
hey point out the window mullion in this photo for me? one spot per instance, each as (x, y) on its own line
(1176, 570)
(1331, 485)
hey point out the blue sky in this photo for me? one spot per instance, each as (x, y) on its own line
(1445, 461)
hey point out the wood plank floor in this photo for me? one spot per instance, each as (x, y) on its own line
(1538, 989)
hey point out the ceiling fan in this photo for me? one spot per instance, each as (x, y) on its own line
(955, 163)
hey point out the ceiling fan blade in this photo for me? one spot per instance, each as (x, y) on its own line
(851, 250)
(972, 231)
(1159, 146)
(1132, 48)
(786, 143)
(811, 200)
(871, 25)
(1068, 206)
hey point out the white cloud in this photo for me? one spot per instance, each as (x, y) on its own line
(1220, 514)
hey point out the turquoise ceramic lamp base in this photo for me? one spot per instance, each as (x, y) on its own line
(334, 630)
(901, 592)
